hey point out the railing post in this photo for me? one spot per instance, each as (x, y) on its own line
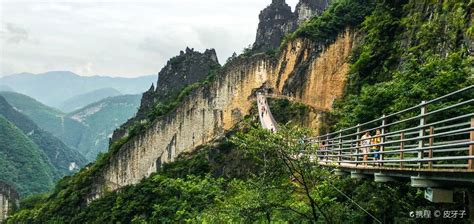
(327, 147)
(430, 151)
(382, 140)
(421, 133)
(471, 147)
(351, 150)
(357, 144)
(319, 154)
(339, 149)
(402, 146)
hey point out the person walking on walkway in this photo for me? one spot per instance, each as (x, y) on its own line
(375, 147)
(321, 147)
(365, 145)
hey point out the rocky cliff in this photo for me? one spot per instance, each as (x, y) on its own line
(305, 9)
(187, 68)
(180, 71)
(8, 200)
(211, 110)
(277, 20)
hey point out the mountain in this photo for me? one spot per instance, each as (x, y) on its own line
(177, 78)
(184, 69)
(101, 119)
(53, 88)
(79, 101)
(22, 163)
(86, 130)
(64, 159)
(6, 88)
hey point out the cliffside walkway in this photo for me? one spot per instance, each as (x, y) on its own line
(266, 118)
(293, 99)
(432, 143)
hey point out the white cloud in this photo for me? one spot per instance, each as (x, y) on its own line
(119, 37)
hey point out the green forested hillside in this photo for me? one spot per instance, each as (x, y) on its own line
(47, 118)
(101, 119)
(60, 156)
(22, 163)
(409, 50)
(86, 130)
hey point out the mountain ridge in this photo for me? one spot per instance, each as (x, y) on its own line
(52, 88)
(78, 135)
(82, 100)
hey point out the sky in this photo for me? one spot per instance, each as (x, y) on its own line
(120, 37)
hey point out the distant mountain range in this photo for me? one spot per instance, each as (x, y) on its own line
(86, 129)
(59, 88)
(6, 88)
(79, 101)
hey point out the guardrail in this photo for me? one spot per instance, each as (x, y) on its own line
(436, 135)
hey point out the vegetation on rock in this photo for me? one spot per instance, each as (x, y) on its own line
(410, 50)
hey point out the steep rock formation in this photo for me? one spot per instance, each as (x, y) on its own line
(277, 20)
(211, 110)
(180, 71)
(187, 68)
(8, 200)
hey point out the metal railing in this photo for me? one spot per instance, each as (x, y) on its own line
(432, 136)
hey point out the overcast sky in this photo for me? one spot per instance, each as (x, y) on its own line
(120, 37)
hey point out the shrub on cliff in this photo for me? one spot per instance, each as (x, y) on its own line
(339, 16)
(409, 52)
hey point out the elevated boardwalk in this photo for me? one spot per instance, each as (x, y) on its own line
(431, 143)
(265, 115)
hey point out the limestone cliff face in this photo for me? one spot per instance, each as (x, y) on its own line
(319, 70)
(8, 199)
(321, 79)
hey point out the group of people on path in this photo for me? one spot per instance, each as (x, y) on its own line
(370, 143)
